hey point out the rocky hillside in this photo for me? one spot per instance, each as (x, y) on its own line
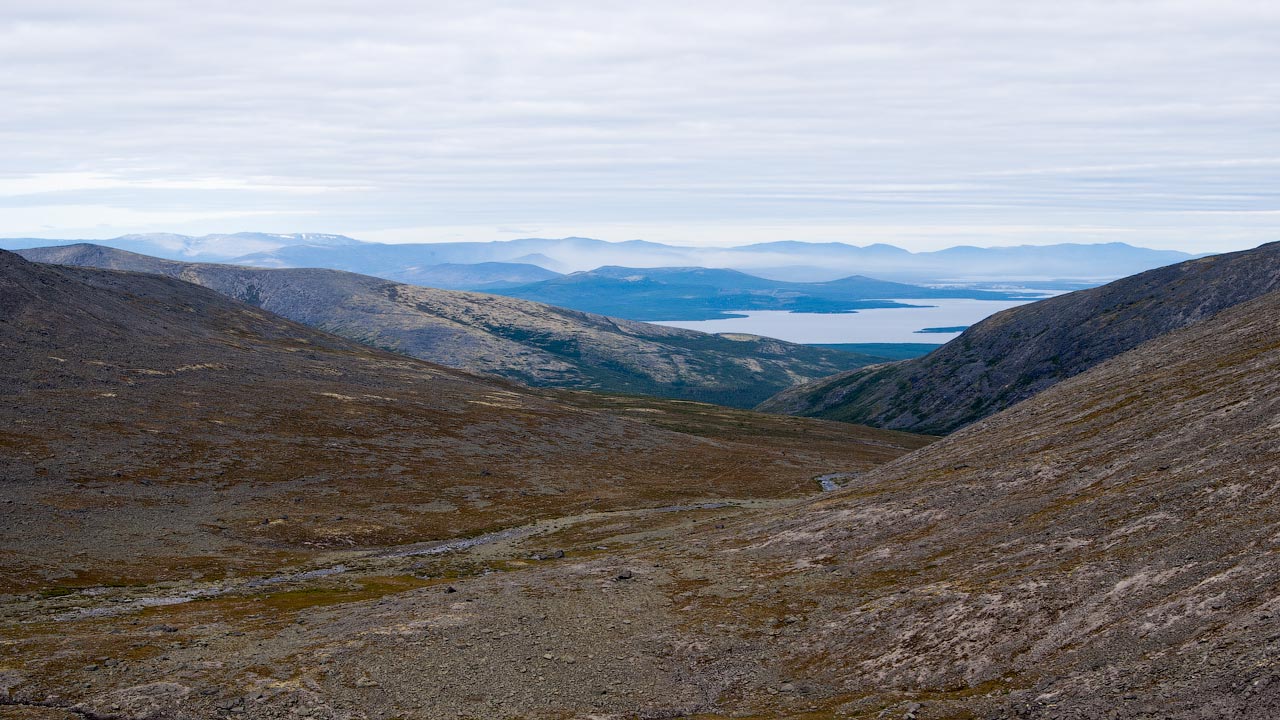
(1105, 549)
(525, 341)
(1017, 353)
(150, 428)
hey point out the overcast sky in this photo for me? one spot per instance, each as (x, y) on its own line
(924, 124)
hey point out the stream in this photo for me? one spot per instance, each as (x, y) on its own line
(828, 481)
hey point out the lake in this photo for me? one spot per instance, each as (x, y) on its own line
(882, 325)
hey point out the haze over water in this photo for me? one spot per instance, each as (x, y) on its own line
(881, 325)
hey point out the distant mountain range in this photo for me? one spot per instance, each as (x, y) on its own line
(223, 246)
(1022, 351)
(530, 342)
(779, 260)
(788, 260)
(692, 293)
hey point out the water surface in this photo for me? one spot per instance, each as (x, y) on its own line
(878, 325)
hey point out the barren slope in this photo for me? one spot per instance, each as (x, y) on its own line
(521, 340)
(154, 429)
(1017, 353)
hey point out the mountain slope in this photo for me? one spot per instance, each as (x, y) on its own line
(153, 429)
(1107, 548)
(1017, 353)
(525, 341)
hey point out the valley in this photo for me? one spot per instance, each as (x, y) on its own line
(291, 472)
(215, 512)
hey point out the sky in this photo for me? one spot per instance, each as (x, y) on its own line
(922, 124)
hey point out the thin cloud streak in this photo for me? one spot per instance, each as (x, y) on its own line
(409, 120)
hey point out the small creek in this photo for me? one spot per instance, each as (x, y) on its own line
(830, 481)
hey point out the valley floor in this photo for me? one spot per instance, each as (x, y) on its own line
(558, 617)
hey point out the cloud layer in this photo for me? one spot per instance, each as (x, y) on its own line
(923, 123)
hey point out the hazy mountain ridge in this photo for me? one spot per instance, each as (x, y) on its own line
(820, 261)
(474, 276)
(526, 341)
(788, 260)
(693, 293)
(1019, 352)
(219, 246)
